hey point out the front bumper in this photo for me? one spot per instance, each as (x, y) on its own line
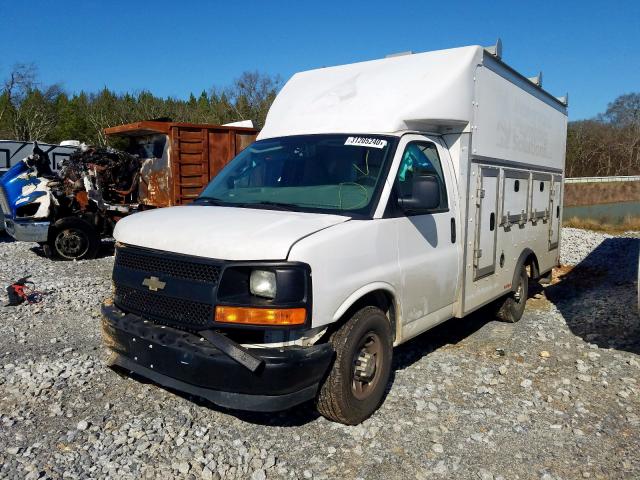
(185, 361)
(27, 231)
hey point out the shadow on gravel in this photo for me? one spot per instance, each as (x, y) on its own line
(107, 249)
(450, 332)
(4, 238)
(598, 298)
(294, 417)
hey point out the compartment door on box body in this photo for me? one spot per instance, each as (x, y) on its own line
(540, 197)
(484, 255)
(515, 198)
(554, 208)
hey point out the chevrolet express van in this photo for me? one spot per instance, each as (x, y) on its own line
(381, 198)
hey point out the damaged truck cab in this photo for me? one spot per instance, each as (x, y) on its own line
(380, 199)
(162, 164)
(66, 211)
(25, 197)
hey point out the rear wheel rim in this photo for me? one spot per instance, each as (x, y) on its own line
(519, 293)
(367, 366)
(72, 243)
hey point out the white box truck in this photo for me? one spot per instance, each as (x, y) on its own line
(380, 199)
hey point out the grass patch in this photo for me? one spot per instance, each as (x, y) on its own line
(602, 225)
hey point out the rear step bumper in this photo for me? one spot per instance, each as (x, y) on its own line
(185, 361)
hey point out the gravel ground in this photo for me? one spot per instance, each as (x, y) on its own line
(553, 396)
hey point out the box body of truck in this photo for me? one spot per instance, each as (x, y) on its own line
(380, 199)
(502, 137)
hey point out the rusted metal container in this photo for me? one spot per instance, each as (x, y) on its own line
(180, 158)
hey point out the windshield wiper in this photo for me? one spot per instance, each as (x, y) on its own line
(289, 207)
(210, 201)
(262, 204)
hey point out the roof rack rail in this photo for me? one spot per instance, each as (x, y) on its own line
(564, 99)
(399, 54)
(495, 50)
(536, 80)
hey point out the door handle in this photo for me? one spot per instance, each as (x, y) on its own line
(453, 230)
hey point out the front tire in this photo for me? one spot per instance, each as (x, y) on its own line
(355, 386)
(511, 308)
(73, 239)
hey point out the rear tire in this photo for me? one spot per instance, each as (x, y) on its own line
(73, 239)
(357, 381)
(511, 308)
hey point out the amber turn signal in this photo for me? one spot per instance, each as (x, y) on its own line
(261, 316)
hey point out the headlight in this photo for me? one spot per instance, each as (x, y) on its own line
(262, 283)
(28, 210)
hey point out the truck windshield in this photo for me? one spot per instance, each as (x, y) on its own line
(340, 174)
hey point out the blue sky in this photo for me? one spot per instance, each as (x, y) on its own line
(587, 48)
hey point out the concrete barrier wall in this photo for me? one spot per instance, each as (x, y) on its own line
(628, 178)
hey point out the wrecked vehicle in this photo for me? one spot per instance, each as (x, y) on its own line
(381, 199)
(25, 193)
(68, 212)
(13, 151)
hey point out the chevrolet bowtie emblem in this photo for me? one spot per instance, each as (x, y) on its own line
(154, 283)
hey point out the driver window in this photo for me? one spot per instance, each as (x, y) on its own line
(420, 158)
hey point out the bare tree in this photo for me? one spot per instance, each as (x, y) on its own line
(624, 113)
(250, 96)
(21, 80)
(609, 144)
(107, 109)
(35, 115)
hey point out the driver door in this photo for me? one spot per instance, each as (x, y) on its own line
(428, 249)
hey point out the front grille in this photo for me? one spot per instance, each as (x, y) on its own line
(4, 203)
(181, 274)
(175, 312)
(174, 267)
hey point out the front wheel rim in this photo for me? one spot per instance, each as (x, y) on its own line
(367, 366)
(72, 243)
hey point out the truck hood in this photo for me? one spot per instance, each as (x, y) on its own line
(224, 233)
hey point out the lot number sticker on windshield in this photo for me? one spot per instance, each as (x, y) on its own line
(366, 142)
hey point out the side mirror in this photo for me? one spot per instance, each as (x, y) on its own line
(425, 194)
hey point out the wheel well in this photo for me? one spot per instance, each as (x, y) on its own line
(532, 262)
(378, 298)
(527, 259)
